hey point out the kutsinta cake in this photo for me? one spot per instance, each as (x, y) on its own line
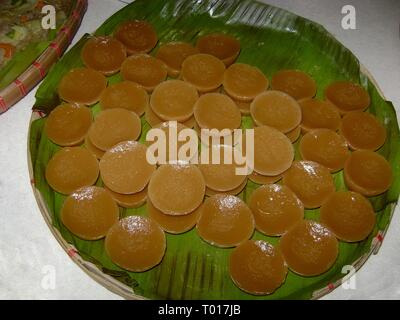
(295, 83)
(367, 172)
(144, 70)
(348, 215)
(89, 213)
(276, 109)
(276, 209)
(72, 168)
(310, 181)
(174, 100)
(177, 189)
(273, 151)
(223, 46)
(135, 243)
(318, 114)
(124, 168)
(112, 126)
(217, 111)
(244, 82)
(347, 96)
(82, 86)
(309, 248)
(257, 267)
(104, 54)
(203, 71)
(126, 95)
(138, 36)
(225, 221)
(325, 147)
(362, 131)
(68, 124)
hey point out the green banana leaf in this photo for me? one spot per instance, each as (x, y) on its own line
(271, 39)
(24, 58)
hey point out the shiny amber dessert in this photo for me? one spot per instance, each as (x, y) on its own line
(82, 86)
(276, 209)
(225, 221)
(317, 114)
(244, 82)
(72, 168)
(135, 243)
(204, 71)
(222, 46)
(174, 100)
(367, 172)
(112, 126)
(295, 83)
(276, 109)
(347, 96)
(124, 168)
(177, 189)
(68, 124)
(137, 36)
(273, 151)
(309, 248)
(104, 54)
(217, 111)
(348, 215)
(325, 147)
(257, 267)
(310, 181)
(173, 54)
(173, 224)
(89, 213)
(363, 131)
(126, 95)
(144, 70)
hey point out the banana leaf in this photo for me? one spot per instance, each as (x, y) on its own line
(24, 58)
(271, 39)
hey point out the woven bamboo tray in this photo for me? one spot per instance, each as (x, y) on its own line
(25, 82)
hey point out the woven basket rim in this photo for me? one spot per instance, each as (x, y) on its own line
(35, 72)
